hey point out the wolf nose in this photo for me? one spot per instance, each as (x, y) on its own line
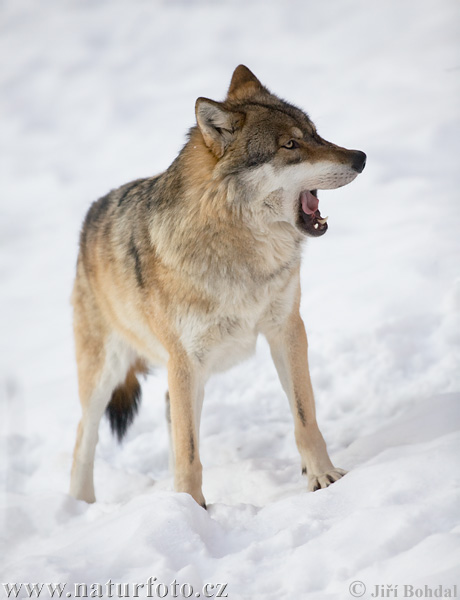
(359, 161)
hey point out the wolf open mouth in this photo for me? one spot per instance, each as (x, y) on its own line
(310, 220)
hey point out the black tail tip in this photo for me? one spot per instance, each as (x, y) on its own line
(123, 407)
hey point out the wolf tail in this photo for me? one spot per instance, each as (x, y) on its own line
(124, 404)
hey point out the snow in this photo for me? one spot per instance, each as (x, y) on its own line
(94, 94)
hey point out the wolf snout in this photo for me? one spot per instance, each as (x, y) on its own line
(358, 161)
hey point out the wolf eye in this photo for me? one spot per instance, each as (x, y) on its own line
(291, 145)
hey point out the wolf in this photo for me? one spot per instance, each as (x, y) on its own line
(187, 268)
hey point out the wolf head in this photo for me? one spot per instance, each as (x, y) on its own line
(272, 154)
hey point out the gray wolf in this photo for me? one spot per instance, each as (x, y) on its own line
(187, 268)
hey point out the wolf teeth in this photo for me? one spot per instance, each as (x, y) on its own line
(322, 221)
(316, 225)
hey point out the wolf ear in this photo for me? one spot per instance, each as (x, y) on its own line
(244, 84)
(217, 124)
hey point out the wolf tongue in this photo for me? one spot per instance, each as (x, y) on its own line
(309, 202)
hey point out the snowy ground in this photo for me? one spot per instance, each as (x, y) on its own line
(96, 93)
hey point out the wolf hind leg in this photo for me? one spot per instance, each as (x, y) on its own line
(104, 361)
(82, 475)
(120, 401)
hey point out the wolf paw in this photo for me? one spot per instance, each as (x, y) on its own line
(318, 482)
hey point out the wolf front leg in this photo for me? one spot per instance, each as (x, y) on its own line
(185, 397)
(289, 349)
